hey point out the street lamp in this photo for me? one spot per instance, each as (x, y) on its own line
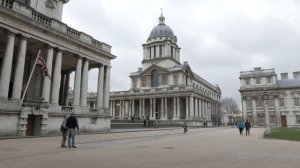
(266, 98)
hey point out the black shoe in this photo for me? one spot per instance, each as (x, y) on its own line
(63, 146)
(74, 146)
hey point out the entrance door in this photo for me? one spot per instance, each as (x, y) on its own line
(283, 121)
(30, 125)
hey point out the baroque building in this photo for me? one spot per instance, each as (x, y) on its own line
(29, 26)
(283, 97)
(165, 89)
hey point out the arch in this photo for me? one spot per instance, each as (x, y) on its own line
(154, 78)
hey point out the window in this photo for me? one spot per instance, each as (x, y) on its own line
(271, 102)
(154, 78)
(154, 52)
(160, 50)
(281, 102)
(296, 101)
(298, 119)
(257, 81)
(259, 103)
(269, 79)
(247, 81)
(150, 52)
(249, 104)
(172, 51)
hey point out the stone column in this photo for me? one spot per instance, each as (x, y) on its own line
(151, 108)
(244, 107)
(278, 117)
(162, 111)
(196, 107)
(154, 109)
(140, 107)
(6, 65)
(178, 108)
(19, 72)
(143, 108)
(56, 78)
(100, 87)
(107, 86)
(133, 107)
(187, 110)
(47, 80)
(84, 83)
(174, 108)
(192, 107)
(114, 109)
(77, 82)
(66, 90)
(166, 108)
(254, 110)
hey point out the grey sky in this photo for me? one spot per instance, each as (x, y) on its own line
(219, 38)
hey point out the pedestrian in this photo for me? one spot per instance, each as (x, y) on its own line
(156, 124)
(64, 130)
(240, 126)
(149, 123)
(72, 123)
(145, 122)
(247, 125)
(184, 126)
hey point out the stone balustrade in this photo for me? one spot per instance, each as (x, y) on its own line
(54, 24)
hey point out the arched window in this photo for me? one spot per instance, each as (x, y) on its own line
(154, 78)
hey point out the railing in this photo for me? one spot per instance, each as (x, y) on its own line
(73, 33)
(41, 18)
(6, 3)
(93, 111)
(67, 109)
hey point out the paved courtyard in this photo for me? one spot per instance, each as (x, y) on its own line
(200, 148)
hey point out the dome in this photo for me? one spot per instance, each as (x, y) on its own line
(161, 30)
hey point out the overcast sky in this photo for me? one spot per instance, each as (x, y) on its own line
(218, 38)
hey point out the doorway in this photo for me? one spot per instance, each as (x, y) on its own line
(33, 126)
(283, 121)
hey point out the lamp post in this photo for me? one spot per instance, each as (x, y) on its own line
(266, 98)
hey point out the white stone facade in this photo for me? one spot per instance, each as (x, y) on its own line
(165, 89)
(27, 27)
(283, 97)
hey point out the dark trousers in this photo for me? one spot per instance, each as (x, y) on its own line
(64, 138)
(241, 131)
(247, 131)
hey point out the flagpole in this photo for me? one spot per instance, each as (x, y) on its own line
(24, 93)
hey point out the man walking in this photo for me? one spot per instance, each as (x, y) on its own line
(247, 126)
(72, 123)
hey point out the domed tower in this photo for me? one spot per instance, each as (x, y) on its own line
(161, 47)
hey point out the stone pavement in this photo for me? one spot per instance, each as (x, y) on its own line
(205, 147)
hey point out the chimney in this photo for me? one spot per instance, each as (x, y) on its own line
(185, 62)
(284, 76)
(257, 69)
(139, 69)
(296, 75)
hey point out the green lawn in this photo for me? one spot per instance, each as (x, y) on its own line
(292, 134)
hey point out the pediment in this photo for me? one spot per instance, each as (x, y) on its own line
(149, 70)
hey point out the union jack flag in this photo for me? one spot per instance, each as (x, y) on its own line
(43, 66)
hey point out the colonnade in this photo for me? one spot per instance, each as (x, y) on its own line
(55, 89)
(177, 107)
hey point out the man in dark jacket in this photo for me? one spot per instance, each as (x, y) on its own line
(247, 126)
(72, 123)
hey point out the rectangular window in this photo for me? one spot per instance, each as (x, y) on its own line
(249, 104)
(296, 101)
(160, 50)
(172, 51)
(247, 81)
(259, 103)
(257, 81)
(297, 119)
(271, 103)
(281, 102)
(269, 79)
(150, 54)
(154, 52)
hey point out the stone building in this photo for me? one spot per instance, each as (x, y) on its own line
(165, 89)
(27, 26)
(283, 97)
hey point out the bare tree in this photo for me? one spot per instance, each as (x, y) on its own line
(230, 105)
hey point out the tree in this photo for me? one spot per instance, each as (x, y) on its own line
(230, 105)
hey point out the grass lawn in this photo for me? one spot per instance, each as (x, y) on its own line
(292, 134)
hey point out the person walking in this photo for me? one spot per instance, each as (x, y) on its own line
(184, 126)
(64, 130)
(240, 126)
(247, 126)
(72, 123)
